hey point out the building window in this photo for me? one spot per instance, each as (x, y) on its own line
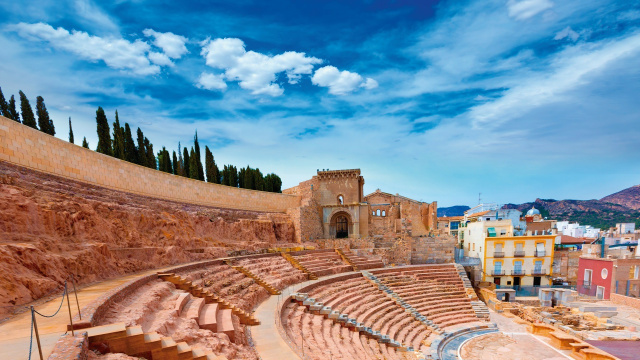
(373, 213)
(384, 213)
(378, 212)
(340, 199)
(636, 272)
(604, 273)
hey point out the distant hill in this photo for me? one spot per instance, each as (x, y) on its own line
(597, 213)
(629, 197)
(457, 210)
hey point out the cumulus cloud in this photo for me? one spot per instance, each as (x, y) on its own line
(524, 9)
(255, 71)
(567, 33)
(211, 82)
(171, 44)
(341, 82)
(160, 59)
(117, 53)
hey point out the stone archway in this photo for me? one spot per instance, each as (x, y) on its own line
(340, 225)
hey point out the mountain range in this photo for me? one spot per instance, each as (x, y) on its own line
(623, 206)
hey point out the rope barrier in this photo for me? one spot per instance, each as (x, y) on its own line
(59, 308)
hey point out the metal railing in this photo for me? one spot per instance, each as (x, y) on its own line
(538, 271)
(518, 253)
(540, 253)
(498, 254)
(497, 272)
(518, 272)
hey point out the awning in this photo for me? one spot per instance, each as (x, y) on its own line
(492, 232)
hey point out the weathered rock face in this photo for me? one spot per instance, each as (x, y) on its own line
(51, 227)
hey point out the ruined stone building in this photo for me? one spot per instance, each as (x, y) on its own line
(333, 205)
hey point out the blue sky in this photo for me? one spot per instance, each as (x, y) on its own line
(515, 99)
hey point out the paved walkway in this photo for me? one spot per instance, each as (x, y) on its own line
(15, 332)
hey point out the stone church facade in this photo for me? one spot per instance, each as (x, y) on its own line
(333, 205)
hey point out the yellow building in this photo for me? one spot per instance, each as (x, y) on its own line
(507, 259)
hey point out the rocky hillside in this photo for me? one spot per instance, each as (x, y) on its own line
(597, 213)
(629, 197)
(51, 227)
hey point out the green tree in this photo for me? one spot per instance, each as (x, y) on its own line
(85, 144)
(104, 135)
(130, 150)
(242, 175)
(213, 173)
(151, 157)
(180, 167)
(193, 165)
(70, 131)
(27, 112)
(176, 164)
(118, 139)
(12, 110)
(196, 146)
(258, 180)
(4, 106)
(230, 176)
(142, 150)
(272, 183)
(44, 121)
(186, 162)
(164, 161)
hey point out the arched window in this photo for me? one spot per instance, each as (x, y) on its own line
(373, 213)
(378, 212)
(384, 213)
(340, 199)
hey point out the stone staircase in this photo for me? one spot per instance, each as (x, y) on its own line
(408, 308)
(132, 341)
(272, 290)
(346, 259)
(299, 266)
(482, 311)
(208, 298)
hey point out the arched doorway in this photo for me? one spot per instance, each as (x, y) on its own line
(340, 225)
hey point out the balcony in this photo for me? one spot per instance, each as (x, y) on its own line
(518, 253)
(540, 253)
(498, 254)
(518, 272)
(539, 271)
(497, 273)
(586, 285)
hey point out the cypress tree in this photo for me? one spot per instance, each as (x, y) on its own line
(130, 150)
(70, 131)
(151, 157)
(193, 165)
(85, 144)
(230, 176)
(168, 164)
(196, 145)
(242, 174)
(27, 112)
(213, 173)
(258, 181)
(142, 150)
(4, 106)
(104, 135)
(161, 162)
(12, 109)
(176, 164)
(180, 167)
(186, 162)
(118, 139)
(44, 121)
(273, 183)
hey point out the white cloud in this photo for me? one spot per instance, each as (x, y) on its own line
(341, 82)
(94, 17)
(567, 33)
(173, 45)
(524, 9)
(211, 82)
(160, 59)
(117, 53)
(255, 71)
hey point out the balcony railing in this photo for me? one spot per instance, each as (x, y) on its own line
(539, 271)
(497, 272)
(517, 272)
(518, 253)
(540, 253)
(498, 254)
(586, 284)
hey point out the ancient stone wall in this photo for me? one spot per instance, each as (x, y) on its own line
(34, 149)
(625, 300)
(307, 218)
(433, 250)
(565, 264)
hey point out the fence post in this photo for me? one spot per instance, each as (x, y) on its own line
(35, 327)
(69, 307)
(73, 282)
